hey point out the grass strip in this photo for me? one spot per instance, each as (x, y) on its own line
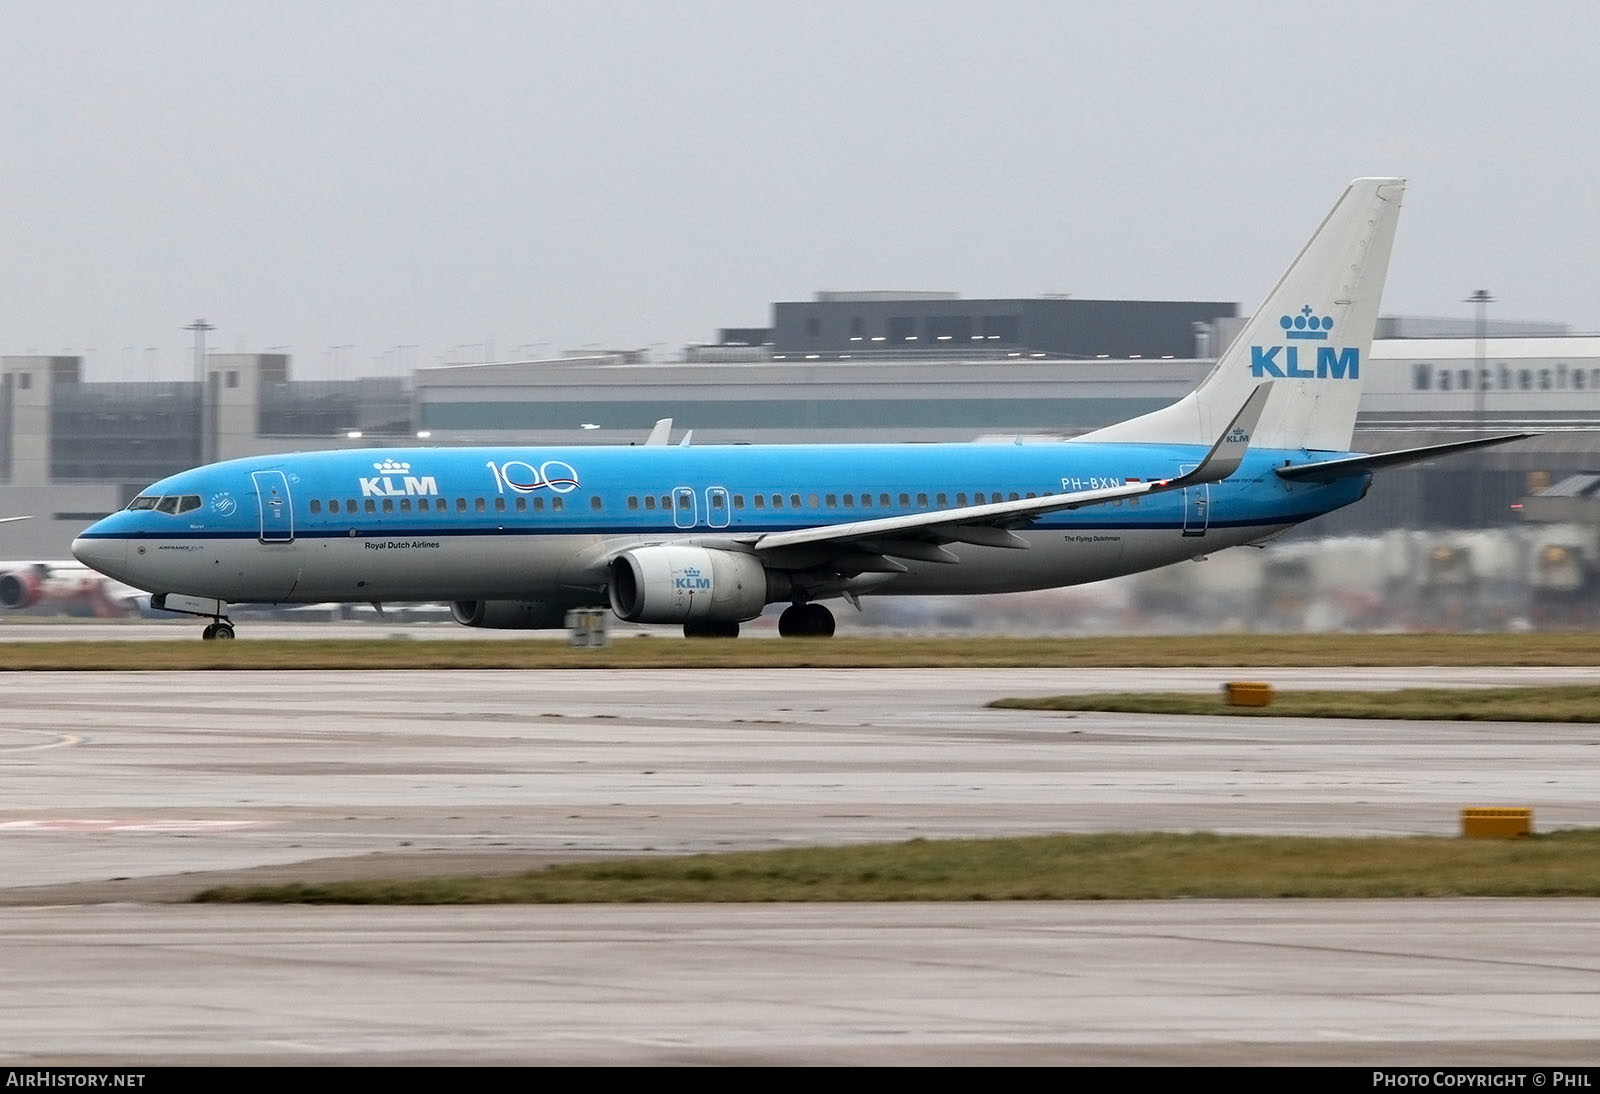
(1564, 703)
(1105, 866)
(400, 649)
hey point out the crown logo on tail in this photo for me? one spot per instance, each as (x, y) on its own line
(1307, 326)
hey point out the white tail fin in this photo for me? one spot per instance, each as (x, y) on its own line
(1312, 336)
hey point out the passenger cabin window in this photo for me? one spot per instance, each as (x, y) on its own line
(461, 505)
(478, 505)
(499, 505)
(333, 505)
(388, 505)
(649, 501)
(555, 505)
(371, 506)
(316, 506)
(594, 503)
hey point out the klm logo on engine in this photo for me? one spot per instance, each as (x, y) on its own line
(689, 579)
(1329, 363)
(394, 480)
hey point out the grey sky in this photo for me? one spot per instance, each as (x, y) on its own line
(549, 176)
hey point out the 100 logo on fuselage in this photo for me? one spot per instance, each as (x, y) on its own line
(522, 477)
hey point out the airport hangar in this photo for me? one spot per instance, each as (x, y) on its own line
(842, 367)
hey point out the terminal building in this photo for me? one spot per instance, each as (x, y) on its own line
(843, 367)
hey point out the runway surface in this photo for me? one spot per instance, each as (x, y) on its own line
(126, 789)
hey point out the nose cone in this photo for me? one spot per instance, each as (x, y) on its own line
(103, 553)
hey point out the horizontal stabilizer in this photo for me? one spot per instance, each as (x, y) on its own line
(1330, 470)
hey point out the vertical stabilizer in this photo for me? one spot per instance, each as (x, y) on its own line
(1312, 337)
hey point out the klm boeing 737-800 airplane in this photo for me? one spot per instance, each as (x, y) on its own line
(708, 536)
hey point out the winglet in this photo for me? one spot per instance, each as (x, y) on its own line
(1228, 452)
(661, 433)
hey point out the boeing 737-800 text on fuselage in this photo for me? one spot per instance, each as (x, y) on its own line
(708, 536)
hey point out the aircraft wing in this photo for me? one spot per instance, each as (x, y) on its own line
(918, 535)
(1330, 470)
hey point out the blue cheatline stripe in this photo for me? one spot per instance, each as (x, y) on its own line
(251, 534)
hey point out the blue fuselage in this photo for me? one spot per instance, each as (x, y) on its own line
(540, 523)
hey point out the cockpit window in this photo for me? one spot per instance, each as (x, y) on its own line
(170, 503)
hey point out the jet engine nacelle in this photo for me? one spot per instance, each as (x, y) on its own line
(509, 615)
(20, 589)
(673, 584)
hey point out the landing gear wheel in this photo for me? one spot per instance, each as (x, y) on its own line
(210, 632)
(805, 621)
(217, 630)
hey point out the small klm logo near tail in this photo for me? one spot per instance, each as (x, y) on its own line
(1332, 363)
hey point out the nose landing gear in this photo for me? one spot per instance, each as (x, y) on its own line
(204, 607)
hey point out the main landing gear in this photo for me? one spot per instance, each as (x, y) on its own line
(710, 629)
(218, 629)
(805, 621)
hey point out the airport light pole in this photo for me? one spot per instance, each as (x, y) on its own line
(1480, 384)
(202, 403)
